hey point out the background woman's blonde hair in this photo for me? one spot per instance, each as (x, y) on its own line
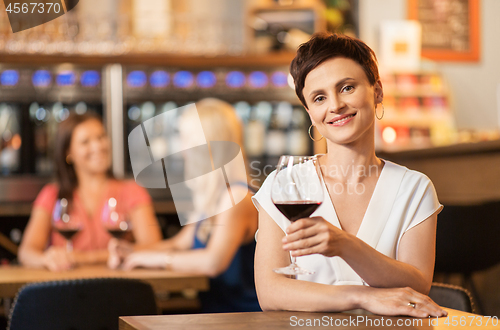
(220, 123)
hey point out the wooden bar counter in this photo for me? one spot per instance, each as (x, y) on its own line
(293, 320)
(465, 173)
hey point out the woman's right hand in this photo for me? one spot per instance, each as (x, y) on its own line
(118, 251)
(314, 236)
(396, 301)
(57, 259)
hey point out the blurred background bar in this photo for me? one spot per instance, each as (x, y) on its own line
(129, 60)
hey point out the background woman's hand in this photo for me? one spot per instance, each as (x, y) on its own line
(314, 235)
(57, 259)
(146, 259)
(118, 251)
(396, 301)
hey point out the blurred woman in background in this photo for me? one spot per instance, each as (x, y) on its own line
(221, 246)
(85, 185)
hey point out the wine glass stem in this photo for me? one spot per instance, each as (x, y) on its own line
(292, 259)
(69, 246)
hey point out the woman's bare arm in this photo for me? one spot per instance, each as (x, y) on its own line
(183, 240)
(231, 228)
(416, 253)
(32, 251)
(414, 267)
(145, 226)
(277, 292)
(118, 250)
(35, 238)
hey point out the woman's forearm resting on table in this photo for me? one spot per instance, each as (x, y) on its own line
(30, 257)
(277, 292)
(170, 244)
(183, 240)
(414, 267)
(54, 256)
(280, 293)
(393, 284)
(375, 268)
(199, 261)
(378, 270)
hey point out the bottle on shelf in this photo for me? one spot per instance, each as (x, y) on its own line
(276, 142)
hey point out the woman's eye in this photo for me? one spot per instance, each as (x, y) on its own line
(347, 89)
(86, 141)
(319, 99)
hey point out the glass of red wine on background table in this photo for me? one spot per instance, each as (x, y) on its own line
(297, 191)
(65, 224)
(115, 222)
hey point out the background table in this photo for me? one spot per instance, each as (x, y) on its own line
(164, 282)
(282, 320)
(12, 278)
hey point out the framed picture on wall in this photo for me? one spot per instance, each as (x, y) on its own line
(450, 28)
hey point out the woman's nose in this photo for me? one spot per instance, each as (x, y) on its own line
(100, 144)
(336, 104)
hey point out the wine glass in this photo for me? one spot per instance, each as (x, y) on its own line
(115, 222)
(65, 224)
(297, 191)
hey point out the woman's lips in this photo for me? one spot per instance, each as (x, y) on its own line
(342, 121)
(98, 158)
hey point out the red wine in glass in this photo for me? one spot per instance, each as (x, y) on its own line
(115, 222)
(297, 191)
(68, 233)
(119, 231)
(65, 224)
(297, 210)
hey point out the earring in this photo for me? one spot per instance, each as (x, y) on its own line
(310, 135)
(383, 111)
(68, 160)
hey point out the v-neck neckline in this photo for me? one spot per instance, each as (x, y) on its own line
(107, 192)
(368, 208)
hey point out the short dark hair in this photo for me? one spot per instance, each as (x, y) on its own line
(323, 46)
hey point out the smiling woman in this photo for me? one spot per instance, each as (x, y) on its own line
(372, 246)
(346, 97)
(82, 197)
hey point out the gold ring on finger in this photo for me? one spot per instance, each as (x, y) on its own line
(412, 304)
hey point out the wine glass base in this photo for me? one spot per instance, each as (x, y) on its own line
(293, 269)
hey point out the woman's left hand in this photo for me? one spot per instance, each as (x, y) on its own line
(146, 259)
(314, 235)
(118, 250)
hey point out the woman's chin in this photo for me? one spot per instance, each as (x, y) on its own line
(98, 169)
(343, 139)
(348, 137)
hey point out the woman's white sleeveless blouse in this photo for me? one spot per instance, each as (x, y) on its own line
(402, 199)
